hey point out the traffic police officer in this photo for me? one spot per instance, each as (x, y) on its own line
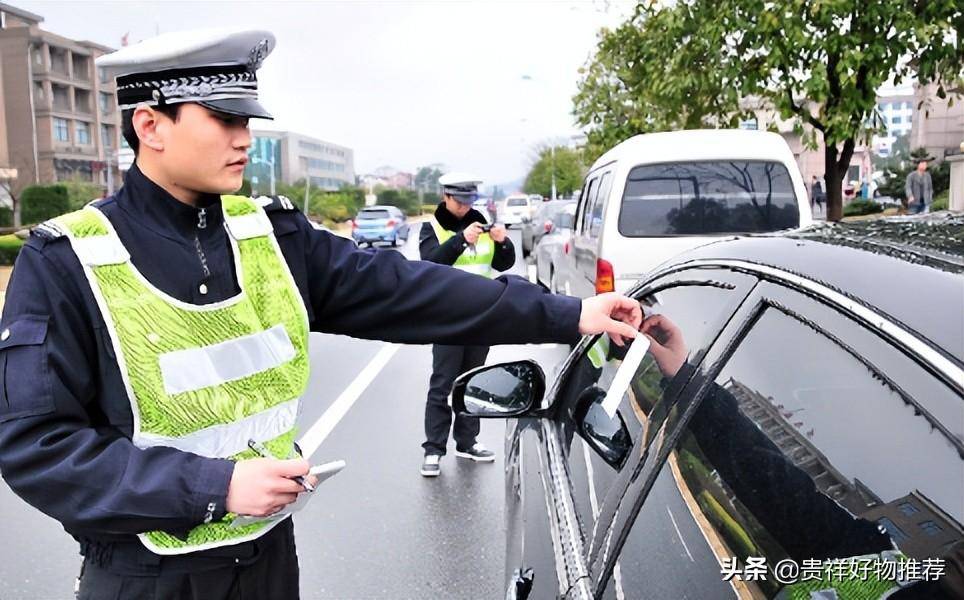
(149, 337)
(459, 237)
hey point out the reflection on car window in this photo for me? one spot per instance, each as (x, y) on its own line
(809, 454)
(700, 198)
(700, 311)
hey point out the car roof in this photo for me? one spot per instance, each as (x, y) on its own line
(908, 268)
(379, 207)
(698, 145)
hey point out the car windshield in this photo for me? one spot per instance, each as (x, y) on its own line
(374, 214)
(516, 202)
(713, 197)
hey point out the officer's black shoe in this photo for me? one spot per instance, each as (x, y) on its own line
(430, 466)
(478, 453)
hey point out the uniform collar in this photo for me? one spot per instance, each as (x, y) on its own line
(450, 222)
(154, 207)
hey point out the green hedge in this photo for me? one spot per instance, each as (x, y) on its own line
(862, 207)
(9, 248)
(941, 201)
(6, 217)
(406, 200)
(41, 202)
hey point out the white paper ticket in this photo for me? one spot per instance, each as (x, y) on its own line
(625, 374)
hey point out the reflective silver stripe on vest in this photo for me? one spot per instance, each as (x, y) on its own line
(100, 250)
(222, 441)
(197, 368)
(249, 226)
(484, 270)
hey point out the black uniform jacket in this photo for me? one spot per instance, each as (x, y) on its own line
(65, 418)
(449, 252)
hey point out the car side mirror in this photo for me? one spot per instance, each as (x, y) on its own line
(607, 434)
(498, 391)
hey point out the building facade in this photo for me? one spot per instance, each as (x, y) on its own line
(897, 117)
(293, 157)
(938, 124)
(59, 114)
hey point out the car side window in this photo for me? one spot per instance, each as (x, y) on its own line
(598, 203)
(801, 450)
(700, 308)
(586, 203)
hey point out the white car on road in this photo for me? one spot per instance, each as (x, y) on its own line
(516, 208)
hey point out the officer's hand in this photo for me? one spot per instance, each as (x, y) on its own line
(666, 344)
(472, 233)
(610, 313)
(498, 233)
(262, 486)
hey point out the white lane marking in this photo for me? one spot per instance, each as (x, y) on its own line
(594, 503)
(678, 534)
(313, 438)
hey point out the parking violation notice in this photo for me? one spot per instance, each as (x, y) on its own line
(625, 374)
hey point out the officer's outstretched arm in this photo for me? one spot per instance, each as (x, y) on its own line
(382, 295)
(58, 450)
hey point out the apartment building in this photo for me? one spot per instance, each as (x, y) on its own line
(58, 114)
(296, 157)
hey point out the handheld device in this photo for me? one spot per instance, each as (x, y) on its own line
(488, 227)
(326, 470)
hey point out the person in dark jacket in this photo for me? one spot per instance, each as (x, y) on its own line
(73, 442)
(458, 236)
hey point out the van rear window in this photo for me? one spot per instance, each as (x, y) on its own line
(516, 202)
(705, 198)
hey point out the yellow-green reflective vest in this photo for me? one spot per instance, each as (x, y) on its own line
(204, 379)
(474, 259)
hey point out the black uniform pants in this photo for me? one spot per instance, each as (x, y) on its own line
(273, 574)
(448, 362)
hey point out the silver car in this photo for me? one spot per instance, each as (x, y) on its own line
(553, 246)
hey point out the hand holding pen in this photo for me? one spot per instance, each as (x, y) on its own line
(263, 453)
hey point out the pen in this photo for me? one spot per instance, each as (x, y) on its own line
(263, 453)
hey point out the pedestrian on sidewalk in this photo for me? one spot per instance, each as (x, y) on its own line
(153, 345)
(919, 189)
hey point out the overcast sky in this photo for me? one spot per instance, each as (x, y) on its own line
(403, 83)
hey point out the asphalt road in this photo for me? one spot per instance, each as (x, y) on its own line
(377, 529)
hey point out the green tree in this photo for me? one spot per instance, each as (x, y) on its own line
(42, 202)
(567, 166)
(691, 64)
(426, 178)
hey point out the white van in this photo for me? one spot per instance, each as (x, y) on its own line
(656, 195)
(517, 208)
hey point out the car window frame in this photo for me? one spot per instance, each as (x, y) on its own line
(770, 294)
(584, 202)
(562, 410)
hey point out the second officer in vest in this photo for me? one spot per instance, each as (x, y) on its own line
(460, 237)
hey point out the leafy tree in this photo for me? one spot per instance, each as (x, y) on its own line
(426, 178)
(407, 200)
(42, 202)
(567, 166)
(692, 63)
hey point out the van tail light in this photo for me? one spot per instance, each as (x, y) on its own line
(391, 223)
(565, 248)
(605, 279)
(547, 226)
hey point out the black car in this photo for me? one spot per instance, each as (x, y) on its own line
(801, 402)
